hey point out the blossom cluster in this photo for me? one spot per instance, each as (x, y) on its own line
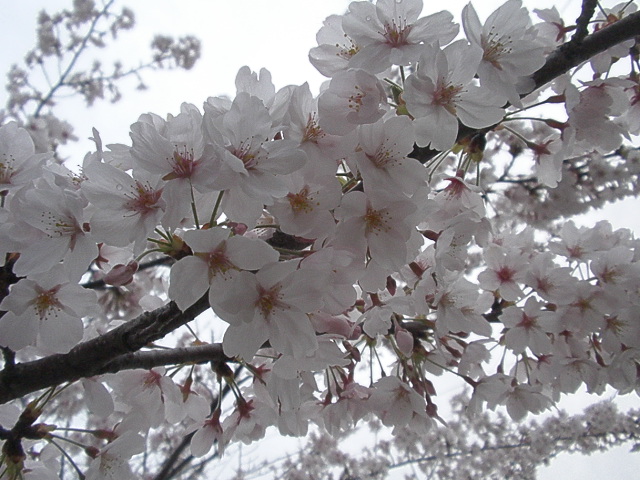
(320, 229)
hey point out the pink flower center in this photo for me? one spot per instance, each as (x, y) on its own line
(347, 51)
(312, 132)
(505, 274)
(356, 100)
(396, 33)
(376, 221)
(182, 163)
(246, 154)
(445, 96)
(301, 202)
(495, 46)
(151, 379)
(46, 303)
(527, 322)
(144, 199)
(383, 157)
(269, 300)
(218, 261)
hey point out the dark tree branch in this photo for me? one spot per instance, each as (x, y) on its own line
(173, 356)
(91, 357)
(582, 23)
(570, 55)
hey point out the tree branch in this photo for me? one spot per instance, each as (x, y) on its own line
(92, 357)
(173, 356)
(582, 23)
(572, 54)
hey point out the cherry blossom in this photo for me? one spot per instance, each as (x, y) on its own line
(382, 231)
(111, 462)
(510, 48)
(216, 259)
(441, 92)
(381, 156)
(270, 305)
(19, 164)
(335, 48)
(128, 208)
(390, 32)
(45, 310)
(354, 97)
(52, 224)
(175, 150)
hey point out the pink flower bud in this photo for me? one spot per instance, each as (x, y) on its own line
(121, 274)
(404, 339)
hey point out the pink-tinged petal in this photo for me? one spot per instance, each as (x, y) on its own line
(41, 256)
(245, 339)
(206, 240)
(202, 441)
(291, 333)
(97, 397)
(471, 24)
(237, 303)
(249, 253)
(16, 332)
(189, 280)
(60, 334)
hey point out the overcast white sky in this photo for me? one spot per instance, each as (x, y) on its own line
(277, 35)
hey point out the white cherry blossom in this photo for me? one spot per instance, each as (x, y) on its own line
(442, 92)
(216, 259)
(511, 50)
(45, 310)
(354, 97)
(390, 33)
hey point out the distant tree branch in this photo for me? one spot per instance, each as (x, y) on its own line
(64, 75)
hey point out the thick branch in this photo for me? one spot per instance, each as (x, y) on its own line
(572, 54)
(92, 357)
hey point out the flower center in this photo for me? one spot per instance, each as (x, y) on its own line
(384, 156)
(376, 221)
(347, 51)
(245, 153)
(312, 132)
(445, 96)
(46, 303)
(58, 225)
(396, 33)
(269, 300)
(495, 46)
(301, 202)
(356, 99)
(182, 163)
(217, 260)
(143, 200)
